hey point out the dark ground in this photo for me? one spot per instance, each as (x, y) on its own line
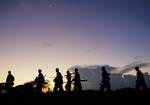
(89, 97)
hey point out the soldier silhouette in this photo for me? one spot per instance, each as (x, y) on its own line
(105, 83)
(9, 82)
(68, 85)
(140, 81)
(77, 82)
(58, 81)
(39, 81)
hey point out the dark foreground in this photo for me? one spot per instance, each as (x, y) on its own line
(89, 97)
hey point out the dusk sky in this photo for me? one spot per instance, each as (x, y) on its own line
(45, 34)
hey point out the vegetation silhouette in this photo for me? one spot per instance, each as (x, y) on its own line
(26, 88)
(2, 87)
(122, 96)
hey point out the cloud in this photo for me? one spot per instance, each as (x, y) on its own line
(138, 57)
(131, 67)
(47, 45)
(90, 50)
(51, 3)
(93, 74)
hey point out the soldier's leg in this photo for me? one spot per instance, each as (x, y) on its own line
(137, 86)
(39, 89)
(61, 88)
(108, 87)
(68, 87)
(55, 88)
(102, 87)
(144, 85)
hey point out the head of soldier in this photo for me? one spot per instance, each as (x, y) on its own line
(137, 68)
(68, 72)
(39, 70)
(76, 70)
(103, 68)
(9, 72)
(57, 70)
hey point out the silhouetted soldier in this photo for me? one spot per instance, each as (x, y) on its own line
(77, 82)
(140, 81)
(105, 83)
(39, 81)
(9, 82)
(68, 85)
(58, 81)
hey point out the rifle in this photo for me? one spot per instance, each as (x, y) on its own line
(70, 74)
(83, 80)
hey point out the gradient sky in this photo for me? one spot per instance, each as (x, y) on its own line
(47, 34)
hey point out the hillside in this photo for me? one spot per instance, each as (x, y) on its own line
(125, 96)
